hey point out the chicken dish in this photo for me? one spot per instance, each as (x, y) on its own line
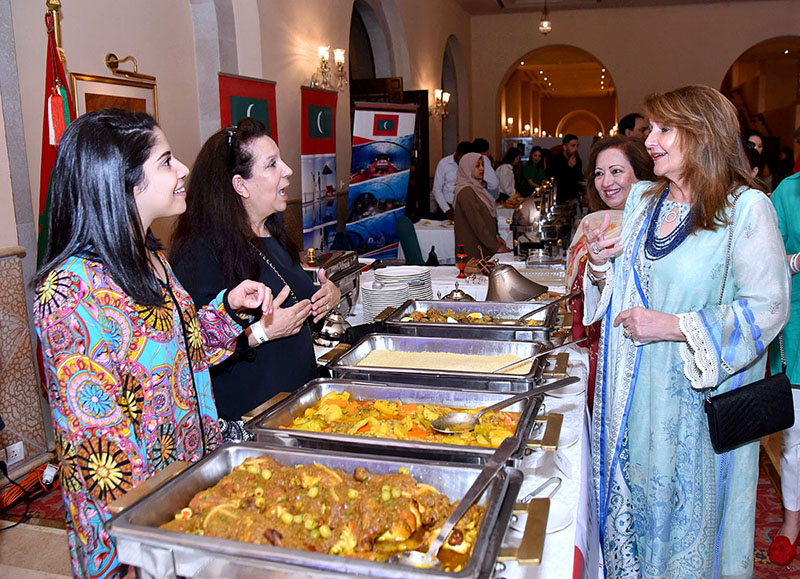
(315, 508)
(449, 316)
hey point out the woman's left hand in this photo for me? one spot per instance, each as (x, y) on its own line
(327, 297)
(645, 326)
(250, 295)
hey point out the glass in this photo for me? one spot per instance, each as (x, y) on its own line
(461, 261)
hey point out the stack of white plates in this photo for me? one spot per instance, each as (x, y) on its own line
(418, 277)
(377, 296)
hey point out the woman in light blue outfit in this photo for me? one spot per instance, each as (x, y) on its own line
(669, 506)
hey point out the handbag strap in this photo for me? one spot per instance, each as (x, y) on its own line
(730, 247)
(783, 354)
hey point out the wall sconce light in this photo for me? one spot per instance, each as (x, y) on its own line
(321, 78)
(509, 126)
(526, 130)
(440, 100)
(112, 62)
(545, 26)
(536, 131)
(340, 75)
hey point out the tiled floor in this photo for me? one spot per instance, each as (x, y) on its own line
(33, 552)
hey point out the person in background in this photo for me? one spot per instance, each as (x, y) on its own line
(445, 178)
(233, 230)
(565, 168)
(125, 351)
(674, 325)
(507, 173)
(756, 162)
(786, 200)
(475, 211)
(634, 125)
(533, 172)
(491, 182)
(755, 138)
(615, 164)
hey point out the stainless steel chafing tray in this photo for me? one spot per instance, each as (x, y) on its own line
(509, 311)
(345, 366)
(160, 553)
(266, 426)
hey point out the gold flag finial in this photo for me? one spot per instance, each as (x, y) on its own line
(54, 6)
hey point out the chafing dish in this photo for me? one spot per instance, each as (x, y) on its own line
(160, 553)
(266, 426)
(341, 267)
(345, 365)
(511, 310)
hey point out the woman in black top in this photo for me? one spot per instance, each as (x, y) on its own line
(232, 230)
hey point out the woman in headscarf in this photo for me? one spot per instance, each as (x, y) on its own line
(475, 212)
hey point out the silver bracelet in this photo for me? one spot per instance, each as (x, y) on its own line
(793, 266)
(599, 268)
(592, 277)
(258, 332)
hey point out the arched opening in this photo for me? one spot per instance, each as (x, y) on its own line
(366, 29)
(546, 86)
(450, 84)
(763, 83)
(580, 123)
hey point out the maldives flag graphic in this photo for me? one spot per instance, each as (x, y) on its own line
(385, 125)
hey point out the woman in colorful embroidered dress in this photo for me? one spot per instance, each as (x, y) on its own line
(615, 164)
(126, 353)
(669, 506)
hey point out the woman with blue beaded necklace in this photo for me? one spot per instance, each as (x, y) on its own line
(677, 321)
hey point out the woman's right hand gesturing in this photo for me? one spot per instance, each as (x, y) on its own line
(283, 322)
(600, 248)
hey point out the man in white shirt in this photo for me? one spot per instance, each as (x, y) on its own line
(444, 180)
(489, 176)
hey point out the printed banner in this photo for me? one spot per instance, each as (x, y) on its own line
(241, 96)
(318, 165)
(383, 135)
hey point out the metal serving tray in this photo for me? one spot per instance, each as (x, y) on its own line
(510, 311)
(345, 365)
(160, 553)
(266, 426)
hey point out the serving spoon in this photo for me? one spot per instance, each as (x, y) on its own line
(537, 355)
(428, 558)
(548, 305)
(458, 422)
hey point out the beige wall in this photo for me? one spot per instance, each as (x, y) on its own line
(158, 33)
(8, 225)
(661, 48)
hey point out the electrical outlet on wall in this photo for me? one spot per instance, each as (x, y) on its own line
(15, 453)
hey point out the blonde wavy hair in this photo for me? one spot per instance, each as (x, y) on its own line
(714, 160)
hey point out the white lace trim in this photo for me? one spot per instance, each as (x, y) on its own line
(605, 296)
(697, 353)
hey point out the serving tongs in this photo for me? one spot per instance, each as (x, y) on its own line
(428, 559)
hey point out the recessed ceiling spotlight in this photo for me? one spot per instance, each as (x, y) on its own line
(522, 63)
(545, 78)
(541, 72)
(602, 70)
(786, 51)
(549, 84)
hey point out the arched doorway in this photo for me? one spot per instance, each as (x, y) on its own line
(548, 84)
(450, 84)
(580, 123)
(763, 83)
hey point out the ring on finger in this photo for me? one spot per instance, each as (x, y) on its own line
(626, 333)
(595, 249)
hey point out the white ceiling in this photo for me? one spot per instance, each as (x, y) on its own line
(503, 6)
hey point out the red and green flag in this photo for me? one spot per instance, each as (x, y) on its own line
(58, 113)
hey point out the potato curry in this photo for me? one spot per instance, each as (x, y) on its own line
(337, 413)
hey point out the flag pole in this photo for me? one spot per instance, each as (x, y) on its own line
(54, 7)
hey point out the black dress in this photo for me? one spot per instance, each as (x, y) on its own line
(253, 375)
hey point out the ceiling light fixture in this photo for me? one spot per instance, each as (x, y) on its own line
(545, 26)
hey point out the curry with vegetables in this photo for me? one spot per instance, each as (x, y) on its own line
(449, 316)
(315, 508)
(338, 413)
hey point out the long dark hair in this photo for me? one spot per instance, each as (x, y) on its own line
(92, 210)
(636, 153)
(215, 214)
(541, 160)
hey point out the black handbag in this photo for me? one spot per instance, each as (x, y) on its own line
(754, 410)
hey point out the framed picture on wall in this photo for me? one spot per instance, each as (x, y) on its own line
(99, 92)
(242, 96)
